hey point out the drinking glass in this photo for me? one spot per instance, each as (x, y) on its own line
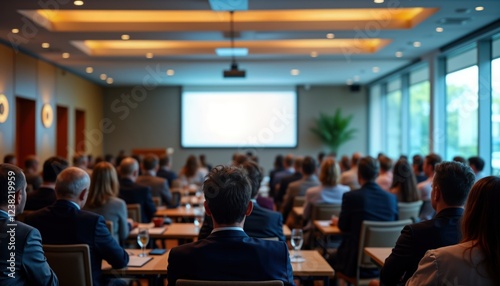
(199, 215)
(143, 240)
(297, 241)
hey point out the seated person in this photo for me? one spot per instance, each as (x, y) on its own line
(159, 186)
(228, 253)
(33, 177)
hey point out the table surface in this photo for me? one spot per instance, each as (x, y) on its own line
(177, 212)
(314, 265)
(378, 254)
(325, 228)
(298, 210)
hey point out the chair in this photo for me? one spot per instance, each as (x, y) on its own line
(410, 210)
(157, 201)
(324, 211)
(134, 212)
(374, 234)
(71, 263)
(22, 216)
(186, 282)
(299, 201)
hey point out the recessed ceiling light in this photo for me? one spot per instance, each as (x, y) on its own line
(78, 3)
(109, 80)
(170, 72)
(417, 44)
(89, 70)
(15, 31)
(314, 54)
(399, 54)
(330, 36)
(355, 78)
(125, 37)
(378, 1)
(375, 69)
(439, 29)
(45, 45)
(149, 55)
(479, 8)
(349, 82)
(65, 55)
(294, 72)
(103, 76)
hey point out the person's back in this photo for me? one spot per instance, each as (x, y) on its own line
(159, 186)
(115, 211)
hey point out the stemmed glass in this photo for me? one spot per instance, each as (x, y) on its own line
(297, 241)
(143, 240)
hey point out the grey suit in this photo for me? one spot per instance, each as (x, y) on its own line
(31, 267)
(297, 188)
(115, 210)
(159, 187)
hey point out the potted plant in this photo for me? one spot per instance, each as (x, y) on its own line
(333, 130)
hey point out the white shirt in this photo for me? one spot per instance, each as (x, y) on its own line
(227, 228)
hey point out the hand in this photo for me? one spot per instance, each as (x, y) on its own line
(334, 221)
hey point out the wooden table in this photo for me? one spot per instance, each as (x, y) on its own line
(315, 266)
(180, 212)
(173, 231)
(326, 228)
(192, 200)
(378, 254)
(298, 211)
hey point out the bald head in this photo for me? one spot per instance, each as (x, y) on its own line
(72, 184)
(128, 168)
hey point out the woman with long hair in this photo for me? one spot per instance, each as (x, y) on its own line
(476, 260)
(192, 173)
(404, 183)
(103, 199)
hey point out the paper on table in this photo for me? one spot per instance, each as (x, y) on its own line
(136, 261)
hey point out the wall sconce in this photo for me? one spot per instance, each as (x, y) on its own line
(4, 108)
(47, 115)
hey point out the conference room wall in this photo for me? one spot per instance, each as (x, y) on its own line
(152, 120)
(24, 76)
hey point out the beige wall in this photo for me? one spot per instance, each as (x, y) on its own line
(27, 77)
(152, 120)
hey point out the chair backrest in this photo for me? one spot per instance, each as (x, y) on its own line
(409, 210)
(109, 225)
(22, 216)
(299, 201)
(185, 282)
(324, 211)
(134, 212)
(157, 201)
(71, 263)
(176, 199)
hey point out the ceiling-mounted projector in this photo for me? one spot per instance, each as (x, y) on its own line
(234, 71)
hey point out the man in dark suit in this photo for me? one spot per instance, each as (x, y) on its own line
(450, 188)
(283, 185)
(21, 254)
(65, 223)
(159, 186)
(228, 253)
(46, 195)
(133, 193)
(164, 170)
(261, 223)
(369, 202)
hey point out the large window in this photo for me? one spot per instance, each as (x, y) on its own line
(393, 119)
(495, 117)
(419, 112)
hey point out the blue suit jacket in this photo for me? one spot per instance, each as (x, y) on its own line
(167, 174)
(31, 267)
(368, 203)
(133, 193)
(415, 240)
(64, 223)
(230, 255)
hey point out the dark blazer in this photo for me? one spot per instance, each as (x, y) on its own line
(64, 223)
(415, 240)
(230, 255)
(167, 174)
(368, 203)
(40, 198)
(261, 223)
(31, 267)
(133, 193)
(278, 197)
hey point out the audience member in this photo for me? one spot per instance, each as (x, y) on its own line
(452, 182)
(299, 188)
(133, 193)
(81, 161)
(191, 173)
(164, 170)
(460, 159)
(33, 177)
(345, 164)
(384, 179)
(297, 175)
(476, 260)
(321, 156)
(10, 159)
(425, 187)
(65, 223)
(418, 168)
(350, 178)
(277, 167)
(159, 186)
(103, 199)
(109, 158)
(261, 223)
(46, 195)
(25, 264)
(370, 202)
(228, 253)
(404, 185)
(287, 171)
(477, 165)
(204, 164)
(138, 158)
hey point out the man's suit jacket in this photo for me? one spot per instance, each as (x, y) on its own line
(416, 239)
(261, 223)
(31, 267)
(64, 223)
(230, 255)
(278, 197)
(368, 203)
(159, 187)
(40, 198)
(133, 193)
(168, 175)
(297, 188)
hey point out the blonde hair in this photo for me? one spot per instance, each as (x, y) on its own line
(103, 186)
(329, 174)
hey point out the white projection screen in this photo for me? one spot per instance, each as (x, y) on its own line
(239, 119)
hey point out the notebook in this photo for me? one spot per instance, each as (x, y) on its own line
(136, 261)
